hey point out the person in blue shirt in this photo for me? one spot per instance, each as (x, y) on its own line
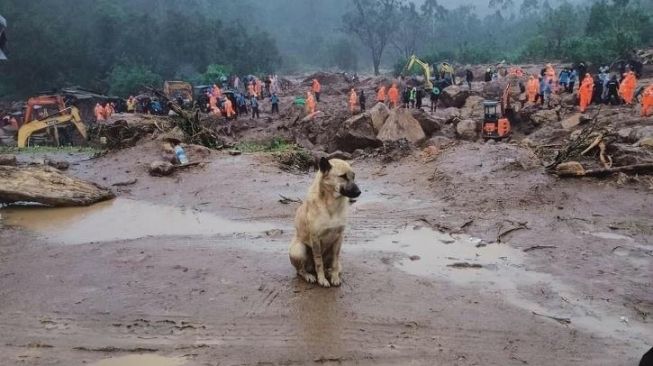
(274, 99)
(564, 78)
(573, 77)
(254, 104)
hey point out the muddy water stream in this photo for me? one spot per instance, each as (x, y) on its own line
(122, 219)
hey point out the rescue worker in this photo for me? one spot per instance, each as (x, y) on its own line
(647, 102)
(627, 87)
(13, 122)
(380, 95)
(418, 100)
(469, 77)
(353, 100)
(108, 110)
(434, 96)
(250, 89)
(255, 111)
(216, 92)
(258, 88)
(274, 99)
(99, 112)
(229, 108)
(613, 91)
(393, 95)
(412, 97)
(573, 78)
(213, 103)
(532, 88)
(131, 104)
(316, 88)
(564, 78)
(585, 91)
(310, 103)
(361, 100)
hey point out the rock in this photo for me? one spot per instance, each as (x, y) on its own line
(196, 152)
(429, 123)
(356, 133)
(439, 142)
(339, 155)
(401, 125)
(490, 142)
(467, 129)
(358, 153)
(161, 168)
(454, 96)
(173, 135)
(646, 142)
(549, 134)
(624, 133)
(571, 168)
(473, 108)
(527, 142)
(492, 90)
(235, 152)
(449, 115)
(8, 159)
(61, 165)
(545, 116)
(641, 132)
(379, 113)
(571, 121)
(568, 100)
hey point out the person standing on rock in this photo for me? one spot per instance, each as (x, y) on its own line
(353, 101)
(586, 90)
(434, 96)
(380, 95)
(469, 77)
(393, 94)
(361, 100)
(316, 88)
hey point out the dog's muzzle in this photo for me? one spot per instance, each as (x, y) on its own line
(350, 190)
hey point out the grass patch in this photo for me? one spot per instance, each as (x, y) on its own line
(48, 150)
(274, 145)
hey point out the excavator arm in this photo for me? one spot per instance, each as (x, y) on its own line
(68, 115)
(426, 69)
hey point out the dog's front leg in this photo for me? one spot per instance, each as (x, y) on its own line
(334, 270)
(319, 263)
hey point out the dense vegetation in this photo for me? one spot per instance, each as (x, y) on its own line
(117, 45)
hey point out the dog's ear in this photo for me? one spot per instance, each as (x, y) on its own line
(325, 166)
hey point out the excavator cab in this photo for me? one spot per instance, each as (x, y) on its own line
(49, 117)
(495, 126)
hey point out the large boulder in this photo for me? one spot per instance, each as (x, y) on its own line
(449, 115)
(492, 90)
(473, 108)
(8, 159)
(430, 124)
(467, 129)
(545, 116)
(161, 168)
(356, 133)
(379, 114)
(568, 100)
(454, 96)
(401, 125)
(571, 121)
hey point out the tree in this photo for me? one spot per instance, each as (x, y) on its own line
(409, 32)
(131, 79)
(373, 22)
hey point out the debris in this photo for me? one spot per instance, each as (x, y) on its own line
(414, 258)
(575, 169)
(558, 319)
(125, 183)
(536, 247)
(8, 159)
(467, 129)
(520, 226)
(285, 200)
(623, 319)
(48, 186)
(161, 168)
(235, 152)
(465, 265)
(61, 165)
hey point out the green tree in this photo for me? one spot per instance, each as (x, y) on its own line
(131, 79)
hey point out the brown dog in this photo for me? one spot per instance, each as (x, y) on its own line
(320, 223)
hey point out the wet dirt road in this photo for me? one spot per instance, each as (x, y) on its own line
(442, 265)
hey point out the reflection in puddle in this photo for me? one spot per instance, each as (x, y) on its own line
(121, 219)
(140, 360)
(499, 268)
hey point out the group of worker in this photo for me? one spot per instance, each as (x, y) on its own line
(104, 112)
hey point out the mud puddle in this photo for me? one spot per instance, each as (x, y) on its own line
(499, 269)
(122, 219)
(140, 360)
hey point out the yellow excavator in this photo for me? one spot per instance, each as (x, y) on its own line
(426, 69)
(59, 119)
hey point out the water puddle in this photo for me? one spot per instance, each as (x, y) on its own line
(501, 269)
(140, 360)
(122, 219)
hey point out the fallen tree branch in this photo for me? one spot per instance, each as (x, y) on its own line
(536, 247)
(504, 233)
(558, 319)
(285, 200)
(633, 169)
(125, 183)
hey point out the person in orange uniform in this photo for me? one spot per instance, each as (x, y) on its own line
(586, 91)
(627, 87)
(310, 103)
(229, 108)
(250, 89)
(532, 88)
(353, 100)
(380, 95)
(109, 110)
(316, 88)
(216, 92)
(393, 94)
(99, 112)
(213, 103)
(258, 88)
(647, 101)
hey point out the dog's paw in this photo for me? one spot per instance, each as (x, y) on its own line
(322, 281)
(309, 278)
(335, 280)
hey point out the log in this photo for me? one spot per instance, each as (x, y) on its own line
(632, 169)
(48, 186)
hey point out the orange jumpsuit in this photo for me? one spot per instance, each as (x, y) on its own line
(99, 112)
(250, 89)
(586, 90)
(393, 94)
(532, 89)
(647, 101)
(258, 88)
(627, 87)
(229, 108)
(310, 103)
(213, 104)
(316, 87)
(380, 96)
(108, 110)
(353, 100)
(216, 92)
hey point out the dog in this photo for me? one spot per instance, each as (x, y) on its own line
(320, 222)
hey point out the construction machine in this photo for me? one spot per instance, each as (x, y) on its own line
(179, 91)
(426, 69)
(61, 118)
(496, 123)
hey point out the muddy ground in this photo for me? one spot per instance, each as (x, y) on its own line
(194, 268)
